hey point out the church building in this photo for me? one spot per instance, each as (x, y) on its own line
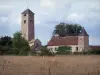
(78, 43)
(28, 30)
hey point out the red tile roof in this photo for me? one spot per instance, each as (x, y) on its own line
(58, 41)
(95, 47)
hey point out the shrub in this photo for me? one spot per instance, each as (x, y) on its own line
(5, 45)
(4, 50)
(20, 45)
(94, 52)
(77, 53)
(45, 51)
(64, 50)
(32, 53)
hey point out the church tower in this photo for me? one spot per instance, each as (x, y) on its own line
(27, 25)
(83, 40)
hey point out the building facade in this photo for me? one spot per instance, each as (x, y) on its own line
(78, 43)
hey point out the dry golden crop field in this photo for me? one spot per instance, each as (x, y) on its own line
(58, 65)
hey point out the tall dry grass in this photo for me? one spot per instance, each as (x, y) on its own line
(58, 65)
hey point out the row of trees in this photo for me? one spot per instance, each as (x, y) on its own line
(64, 29)
(19, 46)
(14, 46)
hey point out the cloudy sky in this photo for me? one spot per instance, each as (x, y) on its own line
(48, 13)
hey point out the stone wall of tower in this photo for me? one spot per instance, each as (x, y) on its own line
(24, 26)
(86, 41)
(31, 27)
(83, 42)
(27, 26)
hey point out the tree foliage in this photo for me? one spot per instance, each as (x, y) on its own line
(20, 45)
(5, 45)
(64, 49)
(95, 51)
(64, 29)
(5, 41)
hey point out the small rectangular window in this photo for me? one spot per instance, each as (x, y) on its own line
(24, 14)
(24, 21)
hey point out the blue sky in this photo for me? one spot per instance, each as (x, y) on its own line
(49, 13)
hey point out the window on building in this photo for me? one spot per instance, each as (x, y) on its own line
(76, 48)
(24, 14)
(24, 21)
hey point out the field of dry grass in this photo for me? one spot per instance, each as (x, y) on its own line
(58, 65)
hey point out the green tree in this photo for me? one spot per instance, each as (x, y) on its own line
(20, 45)
(64, 50)
(5, 45)
(5, 41)
(60, 29)
(64, 29)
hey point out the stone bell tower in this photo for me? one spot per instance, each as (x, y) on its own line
(27, 25)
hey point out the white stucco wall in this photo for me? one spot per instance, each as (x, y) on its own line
(74, 48)
(52, 48)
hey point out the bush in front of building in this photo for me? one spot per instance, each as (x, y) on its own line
(77, 53)
(45, 52)
(64, 50)
(96, 52)
(88, 52)
(4, 50)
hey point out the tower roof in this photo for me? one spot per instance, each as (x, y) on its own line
(83, 32)
(27, 11)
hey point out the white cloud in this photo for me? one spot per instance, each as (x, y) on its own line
(3, 19)
(14, 18)
(75, 17)
(47, 3)
(6, 6)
